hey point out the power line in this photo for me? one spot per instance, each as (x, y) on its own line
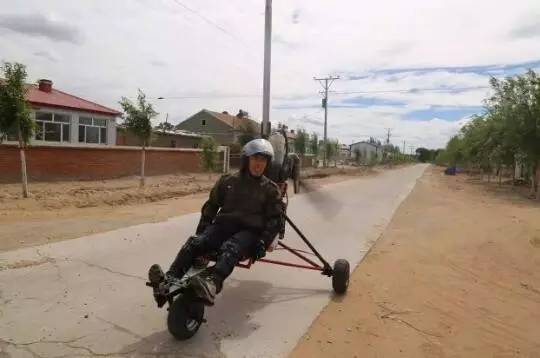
(413, 90)
(220, 28)
(209, 96)
(210, 22)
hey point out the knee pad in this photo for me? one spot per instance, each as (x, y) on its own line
(192, 243)
(230, 250)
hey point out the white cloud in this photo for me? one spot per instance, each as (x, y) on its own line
(169, 51)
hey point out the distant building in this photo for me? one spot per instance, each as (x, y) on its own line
(160, 138)
(223, 127)
(65, 119)
(344, 151)
(367, 151)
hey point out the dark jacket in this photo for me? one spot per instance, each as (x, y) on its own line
(247, 202)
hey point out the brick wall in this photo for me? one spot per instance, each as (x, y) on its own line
(49, 163)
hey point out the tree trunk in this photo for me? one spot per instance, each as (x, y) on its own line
(500, 174)
(537, 174)
(143, 163)
(533, 180)
(24, 176)
(514, 174)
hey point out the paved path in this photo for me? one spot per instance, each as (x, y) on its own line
(86, 297)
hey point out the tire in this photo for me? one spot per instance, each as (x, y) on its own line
(185, 317)
(340, 276)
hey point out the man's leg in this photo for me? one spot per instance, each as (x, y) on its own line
(230, 253)
(210, 240)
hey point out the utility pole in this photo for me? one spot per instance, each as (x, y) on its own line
(388, 133)
(403, 153)
(324, 83)
(265, 125)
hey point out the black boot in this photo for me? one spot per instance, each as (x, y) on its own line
(206, 287)
(156, 278)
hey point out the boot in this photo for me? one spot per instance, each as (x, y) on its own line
(156, 277)
(206, 288)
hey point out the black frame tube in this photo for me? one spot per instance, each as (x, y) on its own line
(326, 265)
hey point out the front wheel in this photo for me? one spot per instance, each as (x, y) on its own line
(185, 317)
(340, 276)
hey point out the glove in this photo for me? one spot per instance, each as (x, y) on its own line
(260, 250)
(273, 245)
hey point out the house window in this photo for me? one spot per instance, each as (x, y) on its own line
(204, 122)
(92, 130)
(53, 127)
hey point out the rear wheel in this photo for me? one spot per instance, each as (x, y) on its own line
(340, 276)
(185, 317)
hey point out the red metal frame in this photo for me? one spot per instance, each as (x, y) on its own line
(312, 265)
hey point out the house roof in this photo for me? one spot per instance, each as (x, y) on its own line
(232, 121)
(178, 132)
(291, 135)
(59, 99)
(364, 142)
(175, 132)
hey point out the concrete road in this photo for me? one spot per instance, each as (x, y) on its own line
(86, 297)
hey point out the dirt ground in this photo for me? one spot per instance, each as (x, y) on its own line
(66, 210)
(456, 274)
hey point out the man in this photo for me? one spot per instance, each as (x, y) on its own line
(241, 218)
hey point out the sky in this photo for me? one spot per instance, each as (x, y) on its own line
(419, 67)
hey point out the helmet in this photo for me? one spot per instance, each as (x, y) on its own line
(255, 146)
(258, 146)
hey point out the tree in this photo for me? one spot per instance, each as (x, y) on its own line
(423, 154)
(165, 126)
(332, 150)
(15, 112)
(314, 144)
(301, 142)
(209, 154)
(138, 119)
(247, 133)
(507, 133)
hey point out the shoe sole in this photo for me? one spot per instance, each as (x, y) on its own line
(155, 275)
(202, 291)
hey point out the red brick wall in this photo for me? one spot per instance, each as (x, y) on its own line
(68, 163)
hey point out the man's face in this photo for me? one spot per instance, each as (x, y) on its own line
(257, 165)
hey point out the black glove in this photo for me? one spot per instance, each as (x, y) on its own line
(260, 250)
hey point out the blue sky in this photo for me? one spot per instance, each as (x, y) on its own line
(445, 113)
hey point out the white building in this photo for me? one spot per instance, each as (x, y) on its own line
(367, 151)
(67, 120)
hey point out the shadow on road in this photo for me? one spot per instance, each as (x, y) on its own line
(230, 319)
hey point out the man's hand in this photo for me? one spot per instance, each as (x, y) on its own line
(260, 250)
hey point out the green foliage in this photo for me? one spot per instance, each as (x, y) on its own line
(372, 159)
(427, 155)
(314, 144)
(247, 133)
(209, 154)
(509, 130)
(164, 126)
(301, 142)
(14, 110)
(138, 116)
